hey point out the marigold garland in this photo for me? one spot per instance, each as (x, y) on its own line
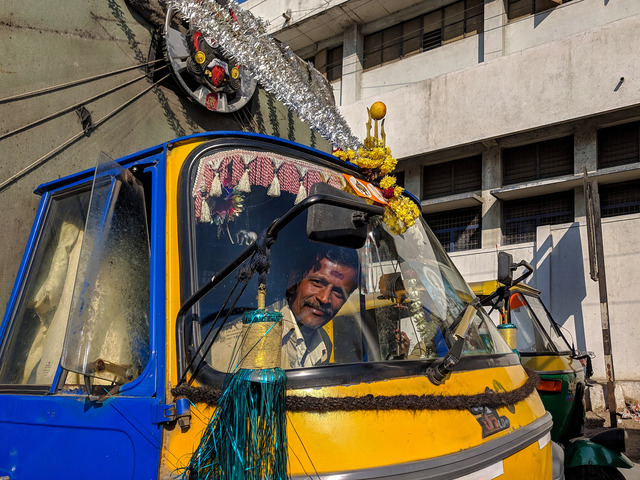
(376, 161)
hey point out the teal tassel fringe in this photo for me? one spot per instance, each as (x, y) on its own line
(246, 438)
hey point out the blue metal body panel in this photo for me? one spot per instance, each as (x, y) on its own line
(62, 436)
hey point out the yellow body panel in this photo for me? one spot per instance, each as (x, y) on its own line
(487, 287)
(530, 463)
(551, 363)
(342, 441)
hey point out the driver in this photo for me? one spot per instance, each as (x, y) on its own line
(316, 293)
(317, 288)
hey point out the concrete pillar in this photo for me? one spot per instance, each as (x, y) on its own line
(585, 154)
(542, 264)
(495, 18)
(352, 49)
(491, 206)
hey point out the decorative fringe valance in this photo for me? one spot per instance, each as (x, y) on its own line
(243, 169)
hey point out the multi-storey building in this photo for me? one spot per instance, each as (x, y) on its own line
(495, 110)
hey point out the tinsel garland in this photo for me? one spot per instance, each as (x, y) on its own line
(243, 37)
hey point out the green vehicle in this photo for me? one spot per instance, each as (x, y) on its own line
(529, 328)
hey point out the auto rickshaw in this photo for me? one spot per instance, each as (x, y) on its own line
(113, 347)
(529, 328)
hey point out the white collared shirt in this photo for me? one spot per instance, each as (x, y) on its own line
(296, 352)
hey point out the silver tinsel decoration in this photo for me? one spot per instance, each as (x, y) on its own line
(299, 87)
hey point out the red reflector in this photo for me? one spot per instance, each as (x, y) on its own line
(550, 386)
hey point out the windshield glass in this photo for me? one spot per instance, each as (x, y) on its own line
(547, 323)
(531, 336)
(395, 298)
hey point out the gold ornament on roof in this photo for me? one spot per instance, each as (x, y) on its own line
(377, 163)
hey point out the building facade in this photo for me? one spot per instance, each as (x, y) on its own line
(496, 108)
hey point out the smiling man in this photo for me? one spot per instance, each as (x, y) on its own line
(316, 292)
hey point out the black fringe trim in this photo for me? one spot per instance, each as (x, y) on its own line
(295, 403)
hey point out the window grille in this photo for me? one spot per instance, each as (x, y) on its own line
(536, 161)
(619, 145)
(334, 63)
(426, 32)
(457, 230)
(329, 62)
(619, 198)
(450, 178)
(523, 216)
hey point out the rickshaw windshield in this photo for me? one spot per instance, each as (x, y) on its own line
(338, 305)
(547, 323)
(532, 338)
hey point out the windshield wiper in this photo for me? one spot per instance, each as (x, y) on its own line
(460, 326)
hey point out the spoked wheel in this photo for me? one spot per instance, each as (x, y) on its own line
(207, 77)
(593, 472)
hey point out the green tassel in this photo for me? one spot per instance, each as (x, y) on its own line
(246, 438)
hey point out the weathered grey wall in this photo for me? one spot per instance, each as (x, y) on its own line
(51, 43)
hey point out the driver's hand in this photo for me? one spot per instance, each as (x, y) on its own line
(403, 341)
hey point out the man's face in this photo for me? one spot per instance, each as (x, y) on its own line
(321, 293)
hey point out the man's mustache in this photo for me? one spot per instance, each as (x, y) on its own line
(325, 309)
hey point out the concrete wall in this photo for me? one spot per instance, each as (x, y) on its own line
(544, 85)
(560, 257)
(566, 20)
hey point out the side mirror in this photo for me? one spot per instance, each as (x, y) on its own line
(505, 268)
(336, 225)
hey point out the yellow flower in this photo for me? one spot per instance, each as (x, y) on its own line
(387, 182)
(388, 165)
(401, 213)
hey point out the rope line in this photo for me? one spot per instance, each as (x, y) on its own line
(64, 145)
(62, 86)
(70, 108)
(295, 403)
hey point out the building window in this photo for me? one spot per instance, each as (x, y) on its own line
(520, 8)
(619, 145)
(329, 62)
(523, 216)
(460, 19)
(537, 161)
(619, 198)
(450, 178)
(399, 178)
(458, 230)
(334, 63)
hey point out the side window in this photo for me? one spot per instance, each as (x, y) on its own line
(34, 340)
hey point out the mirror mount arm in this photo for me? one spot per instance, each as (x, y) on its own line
(363, 210)
(526, 274)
